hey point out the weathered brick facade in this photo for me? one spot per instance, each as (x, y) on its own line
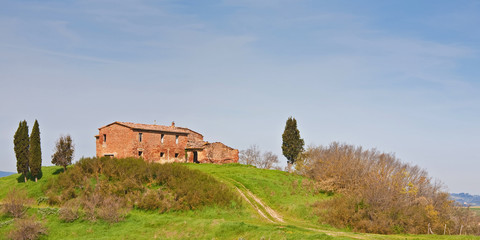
(157, 143)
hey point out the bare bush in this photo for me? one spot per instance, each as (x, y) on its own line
(112, 209)
(380, 193)
(15, 203)
(70, 211)
(90, 203)
(27, 229)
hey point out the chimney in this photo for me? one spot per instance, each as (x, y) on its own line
(173, 124)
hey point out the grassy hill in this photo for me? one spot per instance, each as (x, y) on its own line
(275, 205)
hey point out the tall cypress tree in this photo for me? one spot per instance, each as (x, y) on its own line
(21, 145)
(35, 152)
(292, 143)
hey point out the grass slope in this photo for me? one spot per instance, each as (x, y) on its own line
(286, 193)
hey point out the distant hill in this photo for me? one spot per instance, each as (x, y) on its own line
(466, 199)
(4, 174)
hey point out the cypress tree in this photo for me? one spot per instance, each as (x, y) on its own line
(292, 143)
(21, 145)
(35, 152)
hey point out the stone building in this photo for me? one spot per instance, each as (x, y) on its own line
(157, 143)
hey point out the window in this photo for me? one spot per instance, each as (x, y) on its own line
(162, 154)
(140, 153)
(176, 155)
(163, 135)
(140, 137)
(104, 137)
(176, 139)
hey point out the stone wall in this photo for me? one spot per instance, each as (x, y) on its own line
(218, 153)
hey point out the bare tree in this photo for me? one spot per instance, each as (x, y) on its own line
(250, 156)
(268, 161)
(253, 156)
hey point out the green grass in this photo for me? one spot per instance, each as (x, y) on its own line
(34, 189)
(282, 191)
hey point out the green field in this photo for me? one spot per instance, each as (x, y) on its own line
(289, 195)
(476, 209)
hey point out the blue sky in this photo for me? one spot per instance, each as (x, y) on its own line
(399, 76)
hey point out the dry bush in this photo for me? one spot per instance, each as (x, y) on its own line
(27, 229)
(70, 211)
(379, 193)
(14, 204)
(112, 209)
(100, 204)
(89, 204)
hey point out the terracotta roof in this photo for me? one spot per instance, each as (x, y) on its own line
(189, 130)
(150, 127)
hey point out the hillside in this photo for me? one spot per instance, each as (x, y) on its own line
(275, 205)
(466, 199)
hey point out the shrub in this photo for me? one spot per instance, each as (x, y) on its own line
(112, 209)
(14, 204)
(158, 200)
(27, 229)
(379, 193)
(108, 187)
(150, 201)
(47, 211)
(90, 204)
(70, 211)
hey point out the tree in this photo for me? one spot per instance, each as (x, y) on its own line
(35, 152)
(21, 146)
(292, 143)
(251, 156)
(268, 161)
(63, 152)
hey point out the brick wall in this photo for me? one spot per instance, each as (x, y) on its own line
(121, 141)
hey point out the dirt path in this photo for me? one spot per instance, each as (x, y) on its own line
(272, 216)
(263, 209)
(254, 206)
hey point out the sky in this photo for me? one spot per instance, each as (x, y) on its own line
(398, 76)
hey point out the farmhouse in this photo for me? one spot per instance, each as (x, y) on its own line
(157, 143)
